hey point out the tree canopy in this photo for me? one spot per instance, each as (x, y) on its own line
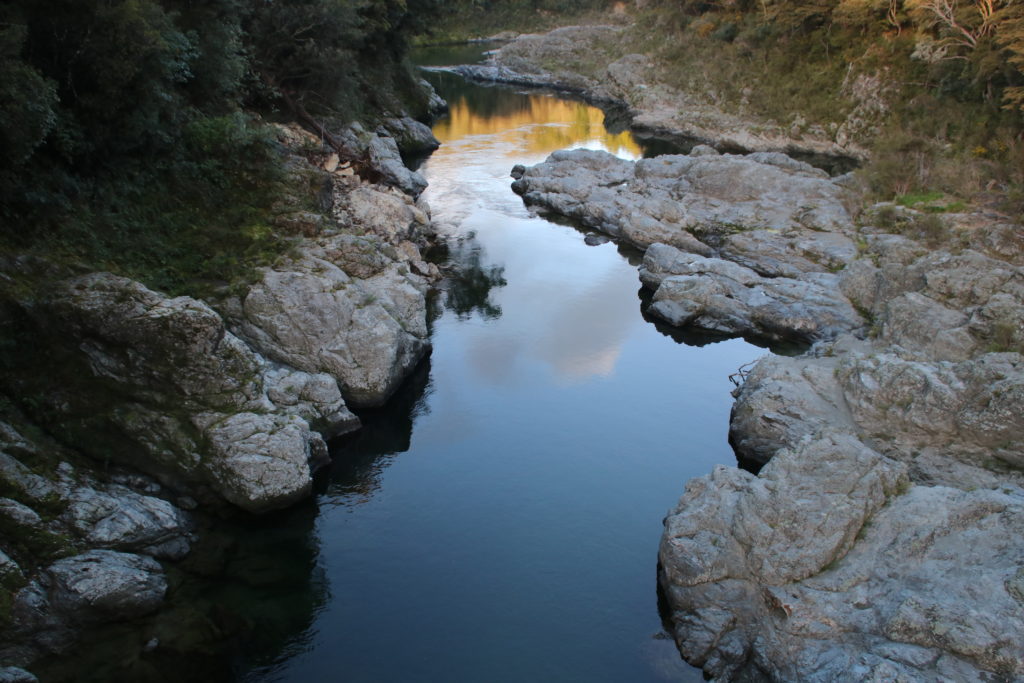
(129, 123)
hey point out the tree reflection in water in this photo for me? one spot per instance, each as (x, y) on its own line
(467, 290)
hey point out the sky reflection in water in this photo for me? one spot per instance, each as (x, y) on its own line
(515, 536)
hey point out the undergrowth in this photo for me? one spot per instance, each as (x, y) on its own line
(186, 227)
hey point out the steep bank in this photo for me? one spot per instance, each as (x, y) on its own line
(887, 520)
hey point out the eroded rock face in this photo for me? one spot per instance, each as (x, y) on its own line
(826, 567)
(173, 382)
(719, 295)
(708, 199)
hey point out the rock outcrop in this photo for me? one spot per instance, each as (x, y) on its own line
(881, 538)
(351, 306)
(182, 396)
(734, 244)
(722, 296)
(182, 404)
(881, 541)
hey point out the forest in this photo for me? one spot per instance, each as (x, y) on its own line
(133, 128)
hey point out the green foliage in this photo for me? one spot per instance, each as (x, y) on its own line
(930, 202)
(27, 99)
(125, 145)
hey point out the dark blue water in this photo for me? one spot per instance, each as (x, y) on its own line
(500, 521)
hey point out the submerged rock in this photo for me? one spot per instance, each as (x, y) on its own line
(102, 585)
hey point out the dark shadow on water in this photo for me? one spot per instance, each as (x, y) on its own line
(358, 459)
(244, 598)
(488, 99)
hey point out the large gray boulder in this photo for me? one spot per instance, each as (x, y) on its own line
(168, 385)
(718, 295)
(827, 567)
(104, 585)
(367, 332)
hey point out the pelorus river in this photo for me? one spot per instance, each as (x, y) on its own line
(499, 520)
(502, 523)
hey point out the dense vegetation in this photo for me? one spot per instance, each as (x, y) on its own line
(946, 78)
(128, 131)
(473, 19)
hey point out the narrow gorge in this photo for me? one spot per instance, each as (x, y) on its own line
(506, 317)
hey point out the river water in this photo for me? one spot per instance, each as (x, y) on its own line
(499, 520)
(501, 523)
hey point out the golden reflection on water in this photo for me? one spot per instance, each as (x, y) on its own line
(543, 125)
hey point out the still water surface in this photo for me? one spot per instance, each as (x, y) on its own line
(501, 521)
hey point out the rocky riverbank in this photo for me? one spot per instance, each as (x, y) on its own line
(152, 412)
(882, 539)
